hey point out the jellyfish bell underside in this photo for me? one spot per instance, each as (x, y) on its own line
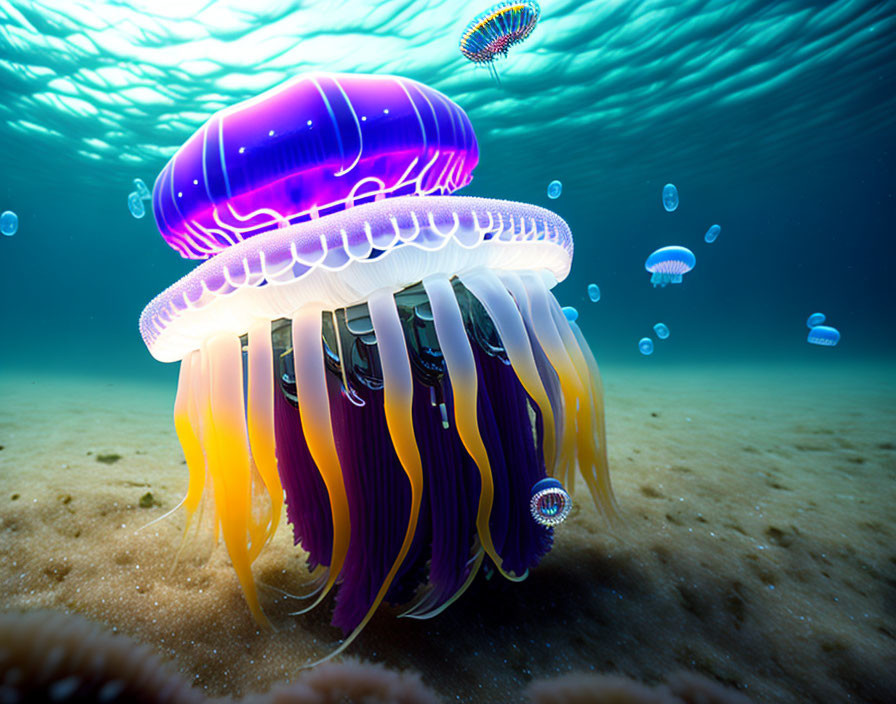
(392, 370)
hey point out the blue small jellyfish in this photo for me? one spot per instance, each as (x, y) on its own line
(815, 320)
(661, 330)
(142, 191)
(9, 223)
(824, 335)
(668, 264)
(593, 293)
(550, 504)
(645, 345)
(670, 197)
(571, 313)
(555, 188)
(712, 233)
(135, 205)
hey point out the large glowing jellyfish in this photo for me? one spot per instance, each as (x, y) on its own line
(409, 376)
(493, 32)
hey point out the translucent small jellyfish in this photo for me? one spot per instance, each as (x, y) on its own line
(142, 191)
(670, 197)
(712, 233)
(824, 335)
(645, 345)
(593, 293)
(661, 330)
(9, 223)
(668, 264)
(571, 313)
(550, 504)
(555, 188)
(815, 320)
(135, 205)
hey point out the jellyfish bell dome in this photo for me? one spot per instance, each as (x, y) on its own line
(314, 145)
(408, 371)
(668, 264)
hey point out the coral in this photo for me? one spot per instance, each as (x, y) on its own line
(594, 689)
(350, 681)
(46, 656)
(694, 689)
(682, 688)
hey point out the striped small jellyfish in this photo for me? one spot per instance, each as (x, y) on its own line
(712, 234)
(661, 330)
(555, 188)
(645, 346)
(668, 264)
(824, 335)
(409, 375)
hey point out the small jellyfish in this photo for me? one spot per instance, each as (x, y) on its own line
(555, 188)
(661, 330)
(9, 223)
(824, 335)
(571, 313)
(670, 197)
(815, 320)
(142, 191)
(668, 264)
(593, 293)
(712, 233)
(645, 345)
(550, 504)
(135, 205)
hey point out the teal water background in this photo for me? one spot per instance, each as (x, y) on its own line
(775, 120)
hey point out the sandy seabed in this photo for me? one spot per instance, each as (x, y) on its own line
(758, 547)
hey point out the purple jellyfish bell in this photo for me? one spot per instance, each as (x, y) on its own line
(312, 146)
(410, 376)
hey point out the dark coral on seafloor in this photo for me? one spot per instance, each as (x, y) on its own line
(681, 688)
(54, 657)
(350, 681)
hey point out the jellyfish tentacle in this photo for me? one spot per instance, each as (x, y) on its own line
(186, 426)
(314, 411)
(574, 389)
(424, 610)
(592, 432)
(316, 580)
(228, 456)
(570, 364)
(592, 436)
(398, 393)
(499, 305)
(461, 364)
(598, 394)
(261, 420)
(564, 470)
